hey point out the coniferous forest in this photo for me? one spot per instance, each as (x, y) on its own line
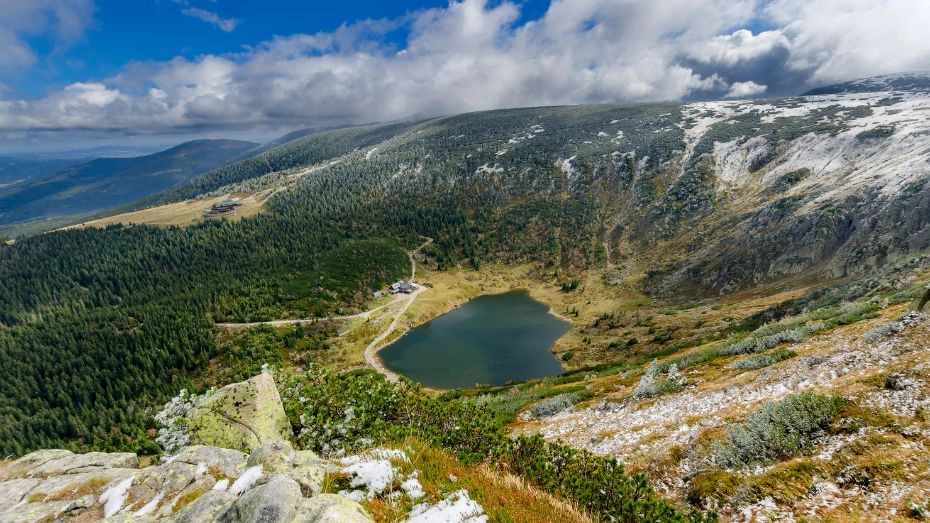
(97, 326)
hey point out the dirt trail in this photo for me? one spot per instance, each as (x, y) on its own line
(371, 350)
(282, 323)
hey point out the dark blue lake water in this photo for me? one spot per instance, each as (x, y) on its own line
(490, 340)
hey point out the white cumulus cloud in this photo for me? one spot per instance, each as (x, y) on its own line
(745, 90)
(476, 54)
(64, 20)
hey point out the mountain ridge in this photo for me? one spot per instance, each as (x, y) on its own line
(108, 182)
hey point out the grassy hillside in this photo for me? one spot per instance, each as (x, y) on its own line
(109, 182)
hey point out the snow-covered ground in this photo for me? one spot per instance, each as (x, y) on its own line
(842, 162)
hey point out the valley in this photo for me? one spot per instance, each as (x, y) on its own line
(714, 260)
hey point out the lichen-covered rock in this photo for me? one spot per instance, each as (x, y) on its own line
(83, 482)
(310, 471)
(331, 508)
(31, 461)
(196, 489)
(273, 502)
(33, 512)
(130, 517)
(209, 507)
(304, 467)
(240, 416)
(228, 462)
(277, 456)
(77, 463)
(14, 490)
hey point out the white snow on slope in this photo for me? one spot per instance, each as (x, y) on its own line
(114, 497)
(456, 508)
(413, 487)
(566, 166)
(151, 505)
(495, 169)
(373, 471)
(246, 480)
(842, 162)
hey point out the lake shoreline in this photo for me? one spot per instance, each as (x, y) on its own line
(497, 340)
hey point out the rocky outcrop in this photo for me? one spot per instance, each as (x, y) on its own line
(240, 416)
(274, 483)
(261, 478)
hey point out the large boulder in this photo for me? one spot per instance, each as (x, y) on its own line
(90, 462)
(304, 467)
(241, 416)
(209, 507)
(327, 508)
(221, 462)
(23, 465)
(273, 502)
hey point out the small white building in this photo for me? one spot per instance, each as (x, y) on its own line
(402, 286)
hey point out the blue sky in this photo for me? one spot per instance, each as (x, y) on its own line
(81, 73)
(123, 31)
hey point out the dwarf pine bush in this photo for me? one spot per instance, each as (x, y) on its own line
(778, 430)
(770, 336)
(554, 405)
(653, 383)
(173, 434)
(758, 361)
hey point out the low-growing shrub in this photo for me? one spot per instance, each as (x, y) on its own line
(778, 430)
(173, 433)
(758, 361)
(554, 405)
(894, 328)
(770, 336)
(654, 384)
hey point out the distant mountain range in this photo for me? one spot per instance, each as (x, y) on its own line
(918, 81)
(16, 169)
(54, 188)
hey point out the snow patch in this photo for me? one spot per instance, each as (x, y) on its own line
(388, 454)
(372, 473)
(486, 168)
(200, 470)
(114, 497)
(456, 508)
(412, 486)
(151, 505)
(370, 153)
(566, 166)
(247, 480)
(734, 158)
(221, 485)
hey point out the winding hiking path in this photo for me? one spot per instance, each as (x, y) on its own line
(364, 315)
(282, 323)
(371, 350)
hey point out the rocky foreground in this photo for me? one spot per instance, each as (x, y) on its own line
(237, 467)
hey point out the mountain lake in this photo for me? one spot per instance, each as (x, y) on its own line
(490, 340)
